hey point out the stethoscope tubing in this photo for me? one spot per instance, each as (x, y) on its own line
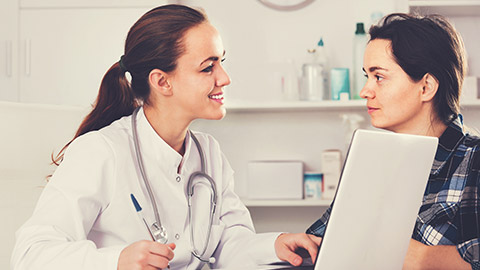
(190, 190)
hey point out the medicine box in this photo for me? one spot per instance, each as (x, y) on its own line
(331, 164)
(275, 180)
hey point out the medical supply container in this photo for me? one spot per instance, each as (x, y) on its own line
(313, 185)
(340, 83)
(331, 168)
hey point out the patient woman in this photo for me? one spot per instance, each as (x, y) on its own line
(415, 68)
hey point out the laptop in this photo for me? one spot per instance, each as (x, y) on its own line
(377, 201)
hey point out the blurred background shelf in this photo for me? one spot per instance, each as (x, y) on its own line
(295, 105)
(448, 8)
(325, 105)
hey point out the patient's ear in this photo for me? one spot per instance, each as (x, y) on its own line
(430, 87)
(158, 81)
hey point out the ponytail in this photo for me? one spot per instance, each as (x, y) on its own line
(154, 41)
(115, 99)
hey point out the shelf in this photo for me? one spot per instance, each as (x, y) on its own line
(295, 105)
(448, 8)
(313, 106)
(285, 203)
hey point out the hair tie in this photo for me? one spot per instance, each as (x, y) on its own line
(122, 66)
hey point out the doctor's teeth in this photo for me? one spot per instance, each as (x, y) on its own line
(216, 96)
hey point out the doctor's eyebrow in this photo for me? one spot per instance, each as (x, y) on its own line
(212, 58)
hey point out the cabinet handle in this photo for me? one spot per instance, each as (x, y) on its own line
(9, 56)
(28, 57)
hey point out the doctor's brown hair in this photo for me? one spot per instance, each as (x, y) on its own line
(428, 44)
(153, 42)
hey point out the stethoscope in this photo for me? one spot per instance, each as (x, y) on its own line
(159, 232)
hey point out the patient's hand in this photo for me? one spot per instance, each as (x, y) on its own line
(288, 243)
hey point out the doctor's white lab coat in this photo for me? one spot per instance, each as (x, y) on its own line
(85, 217)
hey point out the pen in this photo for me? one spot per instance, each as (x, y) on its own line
(139, 212)
(138, 208)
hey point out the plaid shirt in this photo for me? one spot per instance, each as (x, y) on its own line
(450, 212)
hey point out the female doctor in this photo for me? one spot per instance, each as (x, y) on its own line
(125, 180)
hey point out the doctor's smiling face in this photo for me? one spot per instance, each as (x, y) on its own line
(199, 79)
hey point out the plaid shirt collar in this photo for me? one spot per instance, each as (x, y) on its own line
(448, 143)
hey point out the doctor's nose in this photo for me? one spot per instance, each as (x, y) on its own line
(222, 77)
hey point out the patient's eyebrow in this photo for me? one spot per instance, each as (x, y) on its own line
(372, 69)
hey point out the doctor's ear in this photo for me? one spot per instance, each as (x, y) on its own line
(430, 87)
(158, 81)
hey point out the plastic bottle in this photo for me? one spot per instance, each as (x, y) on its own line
(313, 82)
(359, 44)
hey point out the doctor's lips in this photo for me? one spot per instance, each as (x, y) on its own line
(218, 97)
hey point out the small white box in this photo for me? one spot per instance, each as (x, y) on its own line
(331, 164)
(275, 180)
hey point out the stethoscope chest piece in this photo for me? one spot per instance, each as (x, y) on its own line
(159, 233)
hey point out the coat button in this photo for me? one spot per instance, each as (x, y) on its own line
(178, 178)
(177, 236)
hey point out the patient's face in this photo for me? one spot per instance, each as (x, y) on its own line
(393, 99)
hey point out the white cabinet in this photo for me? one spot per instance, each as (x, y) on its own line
(8, 50)
(89, 3)
(64, 53)
(56, 52)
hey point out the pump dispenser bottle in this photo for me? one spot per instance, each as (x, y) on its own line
(359, 44)
(314, 78)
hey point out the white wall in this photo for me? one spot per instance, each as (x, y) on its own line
(259, 40)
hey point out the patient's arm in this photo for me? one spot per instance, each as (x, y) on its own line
(421, 256)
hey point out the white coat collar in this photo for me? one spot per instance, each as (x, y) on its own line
(155, 149)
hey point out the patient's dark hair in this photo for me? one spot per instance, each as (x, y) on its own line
(155, 41)
(428, 44)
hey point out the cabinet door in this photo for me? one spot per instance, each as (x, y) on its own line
(8, 50)
(64, 53)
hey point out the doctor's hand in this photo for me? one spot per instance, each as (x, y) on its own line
(287, 243)
(145, 255)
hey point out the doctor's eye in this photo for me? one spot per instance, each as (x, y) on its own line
(208, 69)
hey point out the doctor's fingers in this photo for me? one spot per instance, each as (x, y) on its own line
(144, 255)
(287, 244)
(163, 250)
(317, 240)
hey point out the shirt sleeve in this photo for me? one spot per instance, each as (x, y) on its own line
(55, 237)
(318, 227)
(469, 215)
